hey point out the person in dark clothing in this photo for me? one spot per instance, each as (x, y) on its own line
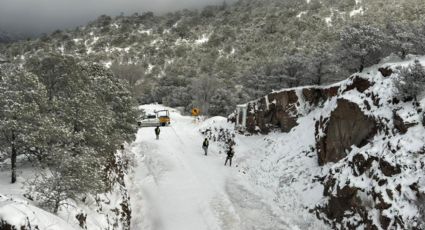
(205, 146)
(157, 131)
(230, 154)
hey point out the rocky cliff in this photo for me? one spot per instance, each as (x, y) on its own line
(369, 143)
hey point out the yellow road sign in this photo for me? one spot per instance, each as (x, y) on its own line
(196, 112)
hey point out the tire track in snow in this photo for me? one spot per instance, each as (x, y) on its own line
(203, 205)
(163, 178)
(189, 192)
(221, 205)
(254, 214)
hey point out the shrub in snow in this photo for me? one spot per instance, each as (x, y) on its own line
(67, 176)
(411, 81)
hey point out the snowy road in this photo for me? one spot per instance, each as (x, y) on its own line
(176, 187)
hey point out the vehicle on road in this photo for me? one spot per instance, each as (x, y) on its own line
(158, 118)
(163, 116)
(148, 120)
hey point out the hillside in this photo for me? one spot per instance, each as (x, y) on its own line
(344, 156)
(316, 150)
(352, 159)
(5, 37)
(351, 154)
(246, 49)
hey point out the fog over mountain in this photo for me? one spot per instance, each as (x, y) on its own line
(32, 17)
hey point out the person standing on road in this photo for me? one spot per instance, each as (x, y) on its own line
(205, 146)
(230, 154)
(157, 131)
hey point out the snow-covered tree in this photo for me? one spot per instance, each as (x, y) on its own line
(256, 83)
(68, 175)
(131, 73)
(222, 102)
(295, 69)
(404, 38)
(173, 91)
(324, 67)
(362, 45)
(411, 81)
(202, 90)
(121, 108)
(21, 98)
(264, 77)
(55, 71)
(90, 115)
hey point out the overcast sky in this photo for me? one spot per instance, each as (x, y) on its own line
(38, 16)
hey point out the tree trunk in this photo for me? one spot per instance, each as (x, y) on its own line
(403, 54)
(362, 64)
(319, 74)
(56, 207)
(13, 159)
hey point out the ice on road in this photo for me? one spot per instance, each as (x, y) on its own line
(176, 187)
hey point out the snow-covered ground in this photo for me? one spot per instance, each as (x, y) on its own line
(17, 209)
(21, 210)
(175, 186)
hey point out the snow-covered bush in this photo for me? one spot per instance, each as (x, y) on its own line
(411, 81)
(218, 130)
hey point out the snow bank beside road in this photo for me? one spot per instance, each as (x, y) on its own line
(22, 215)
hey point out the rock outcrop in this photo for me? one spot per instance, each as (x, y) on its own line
(282, 109)
(371, 142)
(346, 126)
(370, 183)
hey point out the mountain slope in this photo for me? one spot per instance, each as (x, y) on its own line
(355, 138)
(278, 43)
(5, 37)
(324, 172)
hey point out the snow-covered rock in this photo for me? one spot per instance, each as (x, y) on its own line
(18, 214)
(368, 146)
